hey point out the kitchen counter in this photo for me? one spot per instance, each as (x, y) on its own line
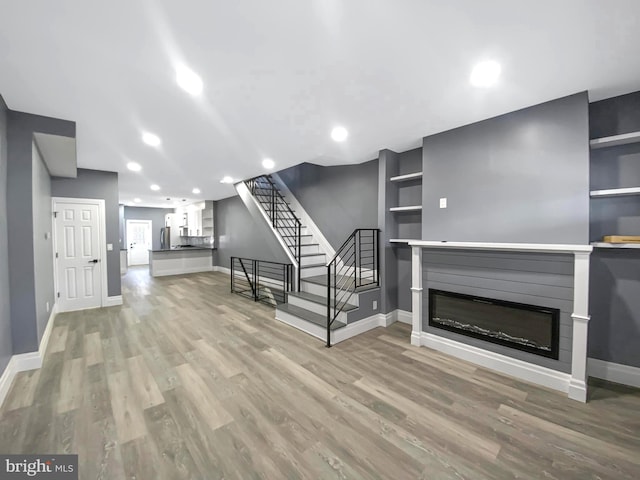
(186, 249)
(178, 261)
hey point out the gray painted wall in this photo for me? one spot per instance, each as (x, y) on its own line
(239, 234)
(97, 184)
(42, 241)
(531, 278)
(614, 303)
(156, 215)
(21, 127)
(339, 199)
(6, 347)
(520, 177)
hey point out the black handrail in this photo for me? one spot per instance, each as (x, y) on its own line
(261, 280)
(280, 214)
(356, 264)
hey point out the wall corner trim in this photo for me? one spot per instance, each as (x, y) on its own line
(44, 341)
(113, 301)
(614, 372)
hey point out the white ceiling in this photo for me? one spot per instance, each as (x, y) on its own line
(279, 74)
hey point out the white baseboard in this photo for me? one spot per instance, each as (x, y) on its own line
(614, 372)
(386, 319)
(113, 301)
(501, 363)
(403, 316)
(340, 335)
(18, 363)
(221, 269)
(44, 341)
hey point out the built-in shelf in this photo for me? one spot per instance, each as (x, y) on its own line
(408, 176)
(615, 192)
(615, 140)
(615, 245)
(403, 240)
(406, 209)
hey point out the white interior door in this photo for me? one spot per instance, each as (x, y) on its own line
(139, 241)
(78, 263)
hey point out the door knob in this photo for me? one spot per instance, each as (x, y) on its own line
(95, 260)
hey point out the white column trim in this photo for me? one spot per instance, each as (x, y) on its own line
(580, 316)
(416, 295)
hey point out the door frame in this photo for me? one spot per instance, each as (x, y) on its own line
(102, 239)
(126, 235)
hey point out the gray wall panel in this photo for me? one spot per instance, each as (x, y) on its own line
(614, 304)
(492, 275)
(338, 199)
(21, 127)
(6, 347)
(520, 177)
(42, 241)
(97, 184)
(156, 215)
(239, 234)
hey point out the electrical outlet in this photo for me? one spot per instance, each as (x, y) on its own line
(375, 304)
(47, 307)
(443, 202)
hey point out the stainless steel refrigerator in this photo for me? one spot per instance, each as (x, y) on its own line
(165, 237)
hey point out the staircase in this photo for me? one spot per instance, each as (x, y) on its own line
(334, 294)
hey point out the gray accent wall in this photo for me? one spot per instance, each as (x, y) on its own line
(97, 184)
(42, 241)
(339, 199)
(239, 234)
(519, 177)
(530, 278)
(156, 215)
(21, 127)
(6, 347)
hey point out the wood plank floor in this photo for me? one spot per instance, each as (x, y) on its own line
(186, 380)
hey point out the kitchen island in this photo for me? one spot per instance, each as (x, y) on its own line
(177, 261)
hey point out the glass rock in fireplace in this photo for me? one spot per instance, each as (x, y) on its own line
(525, 327)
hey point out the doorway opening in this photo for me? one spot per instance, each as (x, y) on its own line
(139, 241)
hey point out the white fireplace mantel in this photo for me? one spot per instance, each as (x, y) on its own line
(575, 384)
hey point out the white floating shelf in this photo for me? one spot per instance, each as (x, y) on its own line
(408, 176)
(406, 209)
(615, 245)
(624, 139)
(615, 192)
(402, 240)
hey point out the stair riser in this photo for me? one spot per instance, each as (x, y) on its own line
(312, 272)
(310, 249)
(314, 307)
(320, 258)
(321, 290)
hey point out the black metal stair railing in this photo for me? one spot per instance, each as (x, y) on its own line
(356, 264)
(260, 280)
(280, 214)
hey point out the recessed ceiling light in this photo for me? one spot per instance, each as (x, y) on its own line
(339, 134)
(155, 187)
(485, 74)
(188, 80)
(151, 139)
(134, 167)
(226, 179)
(268, 163)
(195, 191)
(137, 200)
